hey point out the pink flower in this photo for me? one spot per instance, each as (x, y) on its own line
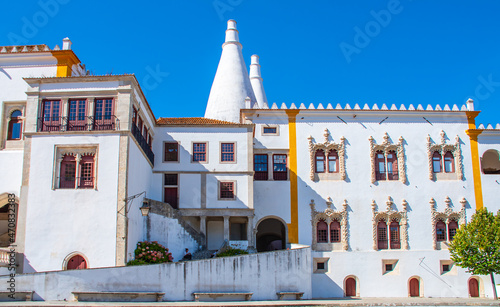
(147, 247)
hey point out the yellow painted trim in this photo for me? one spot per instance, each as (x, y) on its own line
(473, 133)
(293, 227)
(65, 61)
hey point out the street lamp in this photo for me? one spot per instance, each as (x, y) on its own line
(145, 208)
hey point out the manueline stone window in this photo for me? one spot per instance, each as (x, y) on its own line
(445, 159)
(330, 232)
(327, 159)
(75, 167)
(445, 224)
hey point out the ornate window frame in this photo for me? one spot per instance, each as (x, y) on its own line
(446, 216)
(328, 216)
(78, 151)
(326, 146)
(442, 148)
(389, 215)
(385, 147)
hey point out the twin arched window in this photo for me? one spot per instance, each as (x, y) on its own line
(322, 232)
(437, 162)
(15, 126)
(77, 175)
(386, 168)
(328, 163)
(393, 235)
(441, 234)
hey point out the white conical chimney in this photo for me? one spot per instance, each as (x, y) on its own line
(231, 84)
(256, 81)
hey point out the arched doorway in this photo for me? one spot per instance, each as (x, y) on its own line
(271, 235)
(414, 286)
(350, 287)
(77, 262)
(473, 287)
(8, 224)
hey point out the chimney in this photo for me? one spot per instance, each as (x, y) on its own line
(470, 104)
(66, 44)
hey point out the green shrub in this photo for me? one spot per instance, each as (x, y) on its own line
(149, 253)
(232, 252)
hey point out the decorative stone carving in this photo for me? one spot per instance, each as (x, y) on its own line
(442, 148)
(326, 146)
(446, 216)
(329, 215)
(78, 153)
(389, 215)
(385, 147)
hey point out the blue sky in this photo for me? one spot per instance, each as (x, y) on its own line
(407, 51)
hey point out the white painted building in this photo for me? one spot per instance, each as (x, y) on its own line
(376, 191)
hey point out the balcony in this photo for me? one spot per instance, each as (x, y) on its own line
(143, 143)
(84, 123)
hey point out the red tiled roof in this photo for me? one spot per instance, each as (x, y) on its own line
(192, 121)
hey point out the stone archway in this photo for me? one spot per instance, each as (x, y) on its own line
(271, 234)
(7, 221)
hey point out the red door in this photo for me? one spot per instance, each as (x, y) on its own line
(77, 263)
(350, 287)
(414, 287)
(473, 287)
(171, 197)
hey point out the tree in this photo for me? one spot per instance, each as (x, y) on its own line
(476, 246)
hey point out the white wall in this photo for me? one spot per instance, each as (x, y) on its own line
(489, 182)
(291, 271)
(11, 164)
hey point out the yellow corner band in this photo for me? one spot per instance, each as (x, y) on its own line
(293, 227)
(65, 61)
(473, 133)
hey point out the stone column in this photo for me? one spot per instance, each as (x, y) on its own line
(250, 231)
(226, 228)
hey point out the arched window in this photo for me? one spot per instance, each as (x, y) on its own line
(87, 172)
(392, 166)
(394, 235)
(436, 162)
(333, 161)
(490, 162)
(15, 126)
(452, 229)
(335, 231)
(440, 231)
(382, 235)
(449, 162)
(379, 165)
(319, 158)
(67, 177)
(322, 229)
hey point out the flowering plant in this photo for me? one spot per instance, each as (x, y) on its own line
(151, 252)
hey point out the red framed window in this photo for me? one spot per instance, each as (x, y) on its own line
(382, 235)
(392, 166)
(270, 130)
(134, 116)
(452, 229)
(260, 167)
(449, 162)
(379, 165)
(322, 232)
(319, 159)
(170, 195)
(171, 152)
(15, 126)
(335, 231)
(440, 231)
(51, 115)
(150, 141)
(145, 133)
(226, 190)
(103, 114)
(77, 115)
(199, 152)
(140, 125)
(87, 172)
(436, 162)
(227, 152)
(333, 161)
(279, 167)
(394, 235)
(67, 178)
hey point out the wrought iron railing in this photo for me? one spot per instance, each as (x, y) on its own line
(78, 123)
(76, 182)
(143, 143)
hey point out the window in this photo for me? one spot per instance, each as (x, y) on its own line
(270, 130)
(227, 152)
(394, 233)
(77, 115)
(199, 152)
(171, 152)
(50, 120)
(320, 266)
(379, 165)
(75, 174)
(226, 190)
(320, 161)
(322, 229)
(436, 162)
(104, 114)
(15, 126)
(386, 167)
(134, 116)
(140, 124)
(279, 167)
(452, 229)
(392, 166)
(446, 268)
(440, 231)
(170, 195)
(490, 162)
(145, 133)
(382, 235)
(260, 167)
(388, 267)
(449, 163)
(333, 161)
(150, 141)
(335, 231)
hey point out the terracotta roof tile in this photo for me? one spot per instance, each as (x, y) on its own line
(192, 121)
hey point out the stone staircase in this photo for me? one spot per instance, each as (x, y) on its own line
(203, 254)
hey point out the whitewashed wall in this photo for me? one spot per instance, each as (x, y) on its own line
(490, 182)
(291, 271)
